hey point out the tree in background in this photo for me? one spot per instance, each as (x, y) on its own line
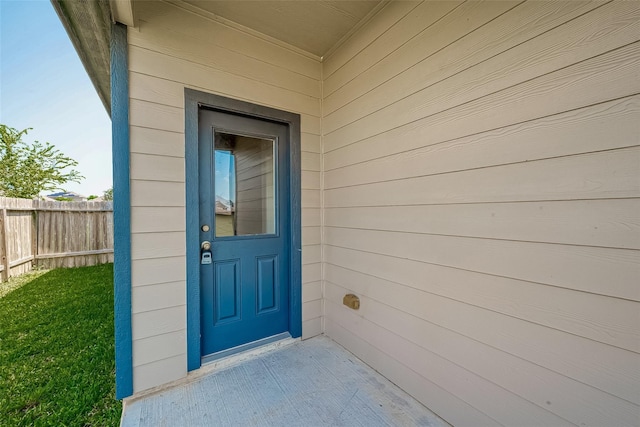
(26, 170)
(108, 194)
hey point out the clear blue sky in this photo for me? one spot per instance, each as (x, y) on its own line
(44, 86)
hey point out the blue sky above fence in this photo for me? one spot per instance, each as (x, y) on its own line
(43, 85)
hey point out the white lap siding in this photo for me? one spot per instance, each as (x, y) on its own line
(171, 49)
(481, 195)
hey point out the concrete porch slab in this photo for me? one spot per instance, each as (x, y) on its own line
(309, 383)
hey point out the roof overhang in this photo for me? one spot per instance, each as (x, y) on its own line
(88, 24)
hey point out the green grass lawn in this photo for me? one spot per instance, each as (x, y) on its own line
(57, 351)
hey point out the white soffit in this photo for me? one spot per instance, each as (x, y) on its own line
(314, 26)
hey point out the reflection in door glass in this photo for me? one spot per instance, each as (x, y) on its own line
(244, 185)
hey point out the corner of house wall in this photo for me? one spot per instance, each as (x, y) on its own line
(322, 266)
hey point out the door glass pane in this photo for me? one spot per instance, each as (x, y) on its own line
(244, 185)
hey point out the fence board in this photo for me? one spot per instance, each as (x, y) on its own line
(4, 245)
(53, 234)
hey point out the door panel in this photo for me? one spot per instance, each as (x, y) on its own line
(267, 284)
(227, 291)
(243, 185)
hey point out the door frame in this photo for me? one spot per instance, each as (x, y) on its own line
(195, 99)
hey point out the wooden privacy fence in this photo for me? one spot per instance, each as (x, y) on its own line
(53, 234)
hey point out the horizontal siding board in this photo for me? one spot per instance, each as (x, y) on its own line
(157, 245)
(155, 141)
(159, 372)
(311, 309)
(442, 402)
(310, 161)
(311, 273)
(310, 199)
(309, 142)
(376, 27)
(164, 15)
(150, 88)
(158, 296)
(607, 368)
(312, 291)
(152, 271)
(311, 216)
(191, 74)
(311, 254)
(158, 322)
(570, 400)
(439, 54)
(575, 132)
(157, 193)
(160, 347)
(603, 271)
(408, 27)
(609, 174)
(157, 220)
(156, 116)
(310, 235)
(505, 407)
(156, 168)
(310, 124)
(606, 222)
(311, 328)
(603, 78)
(310, 180)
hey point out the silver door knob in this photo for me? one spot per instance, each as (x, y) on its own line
(206, 245)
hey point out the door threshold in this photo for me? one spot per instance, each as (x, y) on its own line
(244, 351)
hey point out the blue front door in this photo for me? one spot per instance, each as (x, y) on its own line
(244, 217)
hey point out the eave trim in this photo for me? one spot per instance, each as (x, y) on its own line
(88, 25)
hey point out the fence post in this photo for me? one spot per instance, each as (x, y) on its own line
(34, 236)
(4, 245)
